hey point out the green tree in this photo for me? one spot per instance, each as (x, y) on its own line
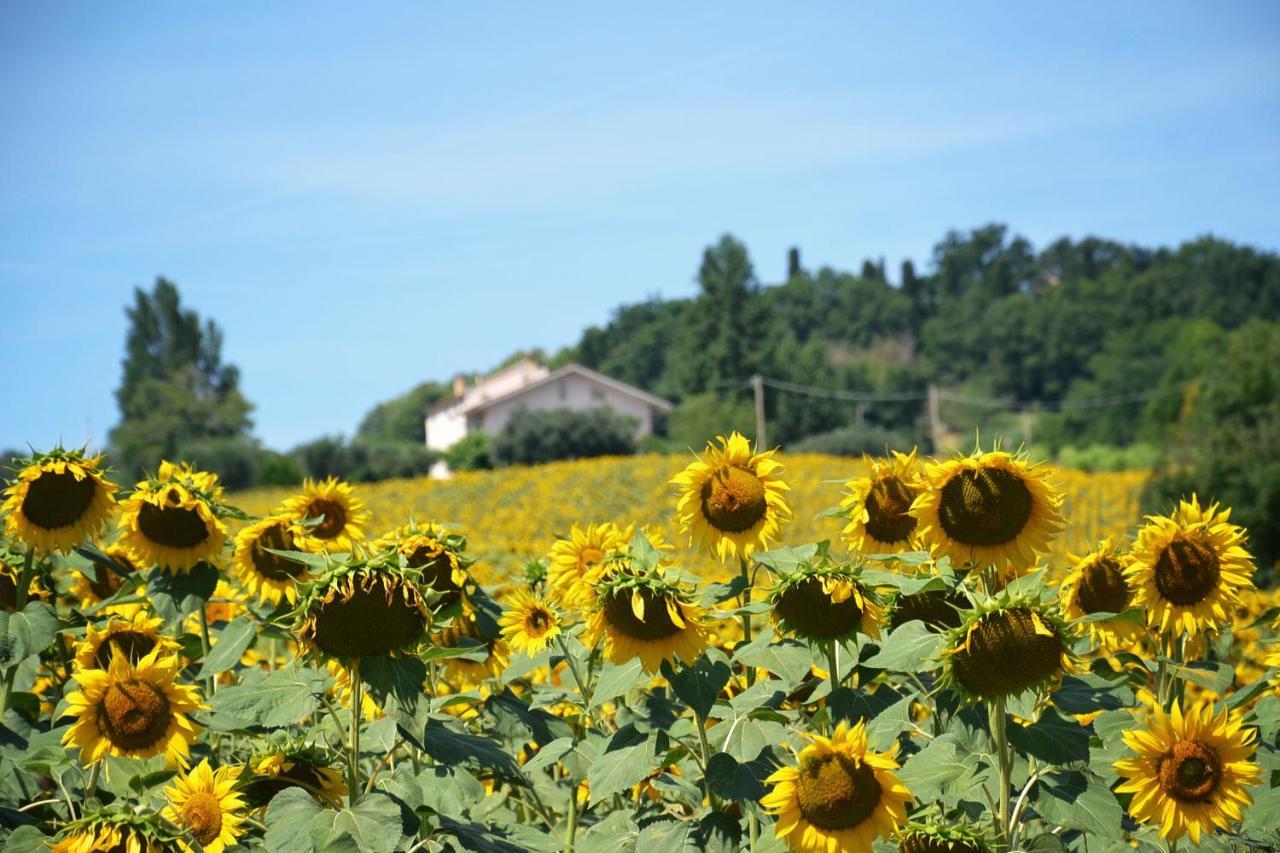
(402, 418)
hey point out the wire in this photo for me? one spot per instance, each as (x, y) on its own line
(836, 394)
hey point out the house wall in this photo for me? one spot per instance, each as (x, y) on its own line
(448, 426)
(571, 392)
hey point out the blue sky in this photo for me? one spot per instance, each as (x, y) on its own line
(365, 197)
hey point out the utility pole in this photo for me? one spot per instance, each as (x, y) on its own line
(757, 386)
(935, 419)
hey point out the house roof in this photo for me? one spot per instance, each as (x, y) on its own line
(587, 373)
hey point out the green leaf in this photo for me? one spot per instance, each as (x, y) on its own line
(905, 584)
(232, 642)
(1207, 674)
(27, 839)
(288, 819)
(1264, 814)
(549, 754)
(788, 659)
(467, 647)
(617, 679)
(273, 699)
(785, 560)
(945, 764)
(26, 633)
(399, 677)
(375, 825)
(643, 554)
(1135, 616)
(906, 649)
(1088, 694)
(627, 759)
(732, 780)
(1080, 801)
(448, 746)
(175, 595)
(1052, 738)
(893, 721)
(699, 684)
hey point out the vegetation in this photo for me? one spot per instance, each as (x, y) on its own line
(534, 437)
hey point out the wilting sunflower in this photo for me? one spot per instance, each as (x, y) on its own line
(825, 602)
(134, 637)
(732, 500)
(293, 767)
(438, 554)
(988, 509)
(58, 500)
(172, 523)
(646, 616)
(940, 837)
(840, 796)
(1188, 569)
(206, 805)
(263, 574)
(878, 506)
(1004, 647)
(133, 711)
(334, 516)
(117, 830)
(362, 607)
(1098, 585)
(100, 581)
(529, 623)
(573, 557)
(1190, 771)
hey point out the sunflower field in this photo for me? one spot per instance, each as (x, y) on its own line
(738, 650)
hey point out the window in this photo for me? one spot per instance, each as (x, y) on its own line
(564, 389)
(597, 396)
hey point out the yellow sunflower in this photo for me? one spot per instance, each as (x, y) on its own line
(115, 830)
(573, 557)
(268, 576)
(134, 637)
(529, 623)
(362, 608)
(732, 500)
(294, 768)
(99, 582)
(170, 524)
(840, 796)
(468, 674)
(878, 506)
(1004, 647)
(339, 516)
(646, 617)
(58, 500)
(824, 603)
(205, 804)
(988, 509)
(1098, 585)
(369, 710)
(9, 576)
(1187, 569)
(133, 711)
(440, 562)
(205, 482)
(1191, 771)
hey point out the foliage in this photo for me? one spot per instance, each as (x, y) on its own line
(361, 461)
(532, 437)
(472, 452)
(403, 418)
(851, 441)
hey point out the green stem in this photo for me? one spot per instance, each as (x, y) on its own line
(20, 601)
(211, 684)
(572, 829)
(745, 600)
(353, 762)
(92, 789)
(998, 718)
(577, 679)
(706, 759)
(753, 829)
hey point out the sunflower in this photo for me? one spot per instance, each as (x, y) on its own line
(133, 711)
(468, 673)
(58, 500)
(1098, 585)
(205, 482)
(300, 767)
(117, 830)
(268, 576)
(369, 710)
(1187, 569)
(936, 837)
(9, 576)
(330, 515)
(530, 623)
(878, 506)
(938, 609)
(646, 616)
(824, 602)
(171, 521)
(206, 805)
(1004, 647)
(988, 508)
(363, 607)
(732, 500)
(133, 637)
(840, 796)
(1190, 771)
(574, 556)
(98, 582)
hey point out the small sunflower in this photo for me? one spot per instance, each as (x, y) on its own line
(98, 582)
(825, 602)
(646, 616)
(878, 506)
(293, 767)
(1187, 569)
(133, 637)
(467, 673)
(1190, 771)
(171, 521)
(330, 515)
(1004, 647)
(133, 711)
(574, 556)
(439, 556)
(731, 499)
(530, 623)
(1098, 585)
(263, 574)
(938, 837)
(840, 796)
(362, 607)
(116, 830)
(58, 500)
(988, 509)
(206, 805)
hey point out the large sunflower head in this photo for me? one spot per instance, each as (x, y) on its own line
(58, 500)
(1098, 585)
(878, 506)
(293, 765)
(645, 614)
(116, 829)
(1187, 569)
(988, 509)
(270, 577)
(171, 521)
(330, 517)
(732, 500)
(438, 554)
(825, 602)
(362, 607)
(103, 578)
(1190, 770)
(133, 711)
(839, 796)
(206, 806)
(133, 637)
(574, 556)
(529, 623)
(1005, 646)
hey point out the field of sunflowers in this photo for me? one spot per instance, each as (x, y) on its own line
(738, 650)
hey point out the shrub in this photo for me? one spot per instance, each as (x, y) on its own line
(235, 460)
(531, 437)
(1104, 457)
(852, 441)
(472, 453)
(363, 462)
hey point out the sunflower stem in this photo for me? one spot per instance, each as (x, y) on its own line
(353, 762)
(572, 829)
(92, 789)
(706, 759)
(20, 601)
(745, 574)
(753, 829)
(998, 718)
(577, 679)
(211, 684)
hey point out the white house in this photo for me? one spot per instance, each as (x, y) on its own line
(488, 403)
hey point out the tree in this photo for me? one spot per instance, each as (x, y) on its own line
(175, 390)
(402, 418)
(532, 437)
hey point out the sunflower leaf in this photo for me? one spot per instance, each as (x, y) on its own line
(790, 660)
(617, 679)
(906, 649)
(699, 684)
(176, 595)
(628, 758)
(733, 780)
(1052, 739)
(27, 632)
(784, 560)
(273, 699)
(399, 677)
(233, 640)
(1081, 801)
